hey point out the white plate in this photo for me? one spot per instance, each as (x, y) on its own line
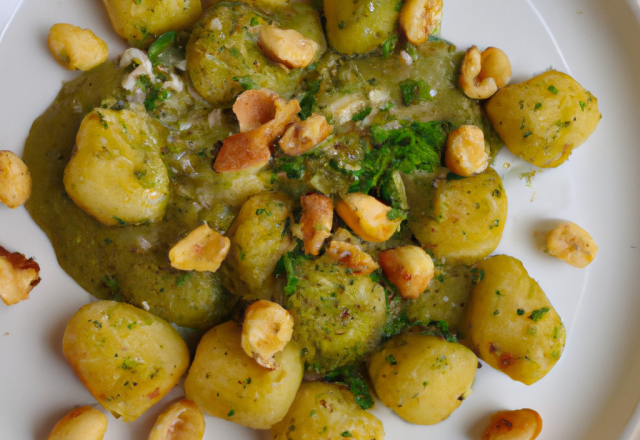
(592, 392)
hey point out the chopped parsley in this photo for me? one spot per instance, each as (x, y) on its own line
(308, 100)
(129, 364)
(538, 314)
(553, 90)
(112, 283)
(537, 106)
(231, 413)
(155, 93)
(158, 46)
(391, 359)
(477, 275)
(389, 45)
(361, 115)
(396, 213)
(415, 91)
(413, 146)
(246, 82)
(582, 105)
(349, 376)
(346, 434)
(520, 312)
(286, 265)
(292, 166)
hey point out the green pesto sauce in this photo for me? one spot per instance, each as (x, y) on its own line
(130, 263)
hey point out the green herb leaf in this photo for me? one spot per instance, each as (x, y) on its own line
(440, 329)
(231, 413)
(254, 21)
(477, 275)
(396, 213)
(158, 46)
(391, 359)
(349, 376)
(553, 90)
(537, 106)
(414, 146)
(389, 45)
(453, 176)
(415, 91)
(520, 312)
(292, 166)
(246, 82)
(582, 105)
(361, 115)
(346, 434)
(538, 314)
(308, 100)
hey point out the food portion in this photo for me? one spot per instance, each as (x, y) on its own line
(460, 221)
(409, 268)
(466, 152)
(572, 244)
(182, 420)
(116, 173)
(224, 57)
(15, 180)
(228, 384)
(482, 74)
(266, 330)
(76, 48)
(18, 276)
(337, 315)
(422, 378)
(543, 119)
(521, 424)
(259, 236)
(322, 410)
(510, 323)
(198, 180)
(139, 21)
(84, 423)
(358, 28)
(127, 358)
(203, 250)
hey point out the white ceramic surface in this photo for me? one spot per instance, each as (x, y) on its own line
(590, 395)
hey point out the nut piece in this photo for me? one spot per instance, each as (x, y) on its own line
(466, 154)
(522, 424)
(267, 328)
(302, 136)
(76, 48)
(420, 18)
(495, 64)
(251, 148)
(84, 423)
(15, 180)
(572, 244)
(351, 256)
(316, 221)
(409, 268)
(17, 276)
(287, 46)
(203, 250)
(181, 421)
(367, 217)
(470, 81)
(254, 108)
